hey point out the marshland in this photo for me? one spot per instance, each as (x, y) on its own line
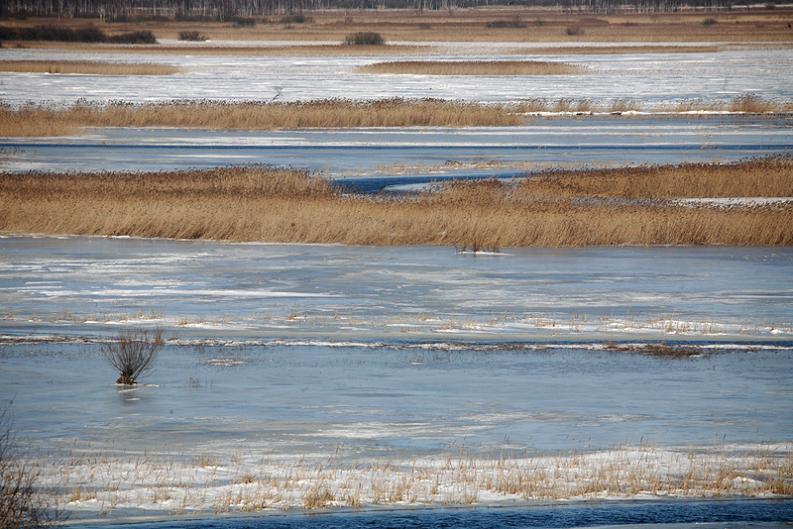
(557, 209)
(84, 67)
(396, 267)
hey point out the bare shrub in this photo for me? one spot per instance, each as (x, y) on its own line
(298, 18)
(364, 38)
(574, 30)
(194, 36)
(133, 37)
(709, 22)
(243, 22)
(508, 23)
(53, 33)
(133, 353)
(20, 507)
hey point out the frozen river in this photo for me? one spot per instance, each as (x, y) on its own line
(404, 375)
(398, 156)
(412, 348)
(287, 359)
(88, 286)
(645, 78)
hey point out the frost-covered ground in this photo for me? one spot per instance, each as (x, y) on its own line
(106, 485)
(644, 78)
(410, 155)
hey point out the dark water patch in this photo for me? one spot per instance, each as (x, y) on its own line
(622, 513)
(381, 183)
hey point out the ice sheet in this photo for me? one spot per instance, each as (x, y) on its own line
(647, 78)
(413, 155)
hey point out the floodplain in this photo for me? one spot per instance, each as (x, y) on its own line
(501, 267)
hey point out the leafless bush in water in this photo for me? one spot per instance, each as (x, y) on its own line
(132, 353)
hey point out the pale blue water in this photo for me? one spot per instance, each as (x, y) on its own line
(371, 159)
(414, 349)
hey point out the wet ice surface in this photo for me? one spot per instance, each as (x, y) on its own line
(338, 293)
(411, 155)
(648, 78)
(411, 348)
(346, 355)
(306, 401)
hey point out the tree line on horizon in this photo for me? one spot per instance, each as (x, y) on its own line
(221, 10)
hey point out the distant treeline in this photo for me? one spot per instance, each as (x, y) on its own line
(89, 34)
(121, 10)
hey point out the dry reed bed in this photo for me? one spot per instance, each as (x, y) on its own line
(473, 68)
(86, 67)
(210, 48)
(34, 120)
(243, 483)
(290, 206)
(39, 120)
(763, 177)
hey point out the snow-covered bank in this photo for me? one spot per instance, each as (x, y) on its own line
(99, 485)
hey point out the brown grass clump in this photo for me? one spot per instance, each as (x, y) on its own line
(659, 350)
(35, 120)
(318, 497)
(752, 104)
(86, 67)
(473, 68)
(364, 38)
(256, 204)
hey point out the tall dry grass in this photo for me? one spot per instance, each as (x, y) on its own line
(86, 67)
(40, 120)
(238, 483)
(257, 204)
(35, 120)
(473, 68)
(765, 177)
